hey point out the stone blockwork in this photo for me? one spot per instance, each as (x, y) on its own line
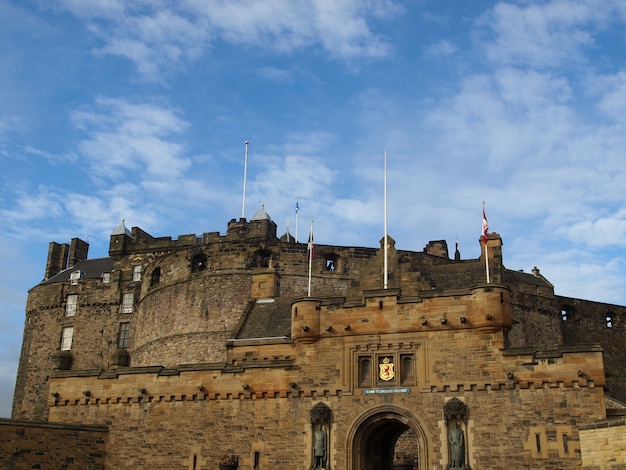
(205, 346)
(603, 445)
(27, 445)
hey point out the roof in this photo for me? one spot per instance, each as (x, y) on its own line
(261, 214)
(121, 230)
(268, 318)
(90, 269)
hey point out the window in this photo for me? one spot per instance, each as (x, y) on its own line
(199, 263)
(137, 273)
(609, 320)
(127, 303)
(66, 338)
(106, 278)
(332, 263)
(565, 314)
(122, 336)
(407, 374)
(365, 372)
(74, 277)
(155, 278)
(70, 306)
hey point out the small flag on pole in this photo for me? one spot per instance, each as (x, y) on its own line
(311, 246)
(484, 237)
(297, 207)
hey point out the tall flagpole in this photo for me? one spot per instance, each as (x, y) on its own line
(245, 171)
(297, 210)
(310, 253)
(485, 238)
(386, 275)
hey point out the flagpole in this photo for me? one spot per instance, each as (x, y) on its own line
(245, 171)
(297, 210)
(386, 274)
(485, 238)
(310, 253)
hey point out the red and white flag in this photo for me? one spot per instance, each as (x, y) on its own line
(485, 234)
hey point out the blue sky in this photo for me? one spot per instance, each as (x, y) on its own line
(139, 110)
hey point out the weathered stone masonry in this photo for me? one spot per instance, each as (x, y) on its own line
(189, 350)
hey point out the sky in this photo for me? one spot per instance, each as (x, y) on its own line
(140, 110)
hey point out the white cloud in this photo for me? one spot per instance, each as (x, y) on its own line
(124, 136)
(159, 38)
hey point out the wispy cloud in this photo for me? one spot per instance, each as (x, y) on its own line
(159, 39)
(131, 137)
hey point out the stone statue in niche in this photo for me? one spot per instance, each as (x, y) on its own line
(456, 415)
(320, 446)
(320, 427)
(456, 439)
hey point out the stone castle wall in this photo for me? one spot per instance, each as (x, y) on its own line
(193, 390)
(25, 445)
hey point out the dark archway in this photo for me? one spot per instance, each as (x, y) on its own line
(374, 436)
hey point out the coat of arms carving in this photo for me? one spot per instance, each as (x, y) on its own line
(386, 370)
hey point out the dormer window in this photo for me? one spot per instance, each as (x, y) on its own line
(74, 277)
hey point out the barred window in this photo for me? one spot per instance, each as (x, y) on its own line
(70, 306)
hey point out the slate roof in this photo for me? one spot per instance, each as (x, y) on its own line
(91, 269)
(267, 319)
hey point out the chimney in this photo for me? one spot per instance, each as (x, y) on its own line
(78, 251)
(57, 259)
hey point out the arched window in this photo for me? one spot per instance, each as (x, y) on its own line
(407, 373)
(155, 277)
(199, 263)
(365, 372)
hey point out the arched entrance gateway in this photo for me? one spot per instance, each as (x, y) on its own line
(387, 438)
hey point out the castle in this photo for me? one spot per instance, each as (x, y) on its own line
(208, 352)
